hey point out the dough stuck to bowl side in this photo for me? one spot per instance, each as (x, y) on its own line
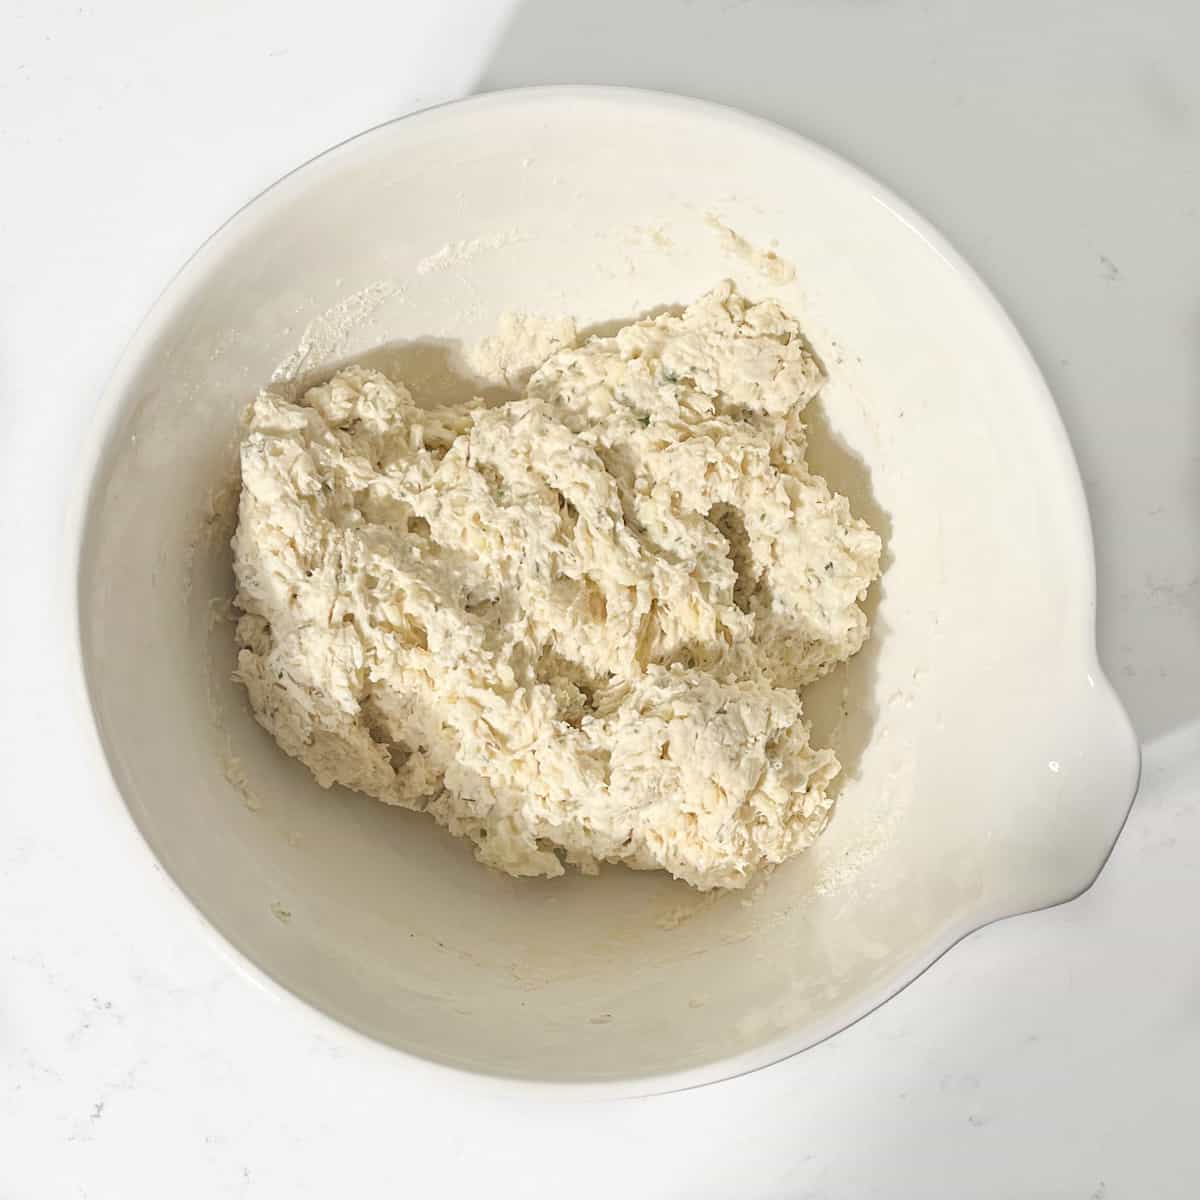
(571, 627)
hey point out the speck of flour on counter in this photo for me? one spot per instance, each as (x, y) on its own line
(572, 627)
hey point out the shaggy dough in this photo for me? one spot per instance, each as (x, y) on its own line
(570, 627)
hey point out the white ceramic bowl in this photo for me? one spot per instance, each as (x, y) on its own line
(989, 766)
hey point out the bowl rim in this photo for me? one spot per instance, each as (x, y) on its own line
(98, 442)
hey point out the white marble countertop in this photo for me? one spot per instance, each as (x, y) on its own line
(1052, 1055)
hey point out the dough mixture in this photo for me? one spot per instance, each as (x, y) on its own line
(570, 627)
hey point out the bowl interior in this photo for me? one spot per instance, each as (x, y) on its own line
(972, 787)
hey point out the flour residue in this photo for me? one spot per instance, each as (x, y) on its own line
(214, 530)
(766, 262)
(220, 612)
(653, 236)
(455, 254)
(685, 908)
(236, 777)
(325, 335)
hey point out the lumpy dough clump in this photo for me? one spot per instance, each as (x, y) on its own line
(571, 627)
